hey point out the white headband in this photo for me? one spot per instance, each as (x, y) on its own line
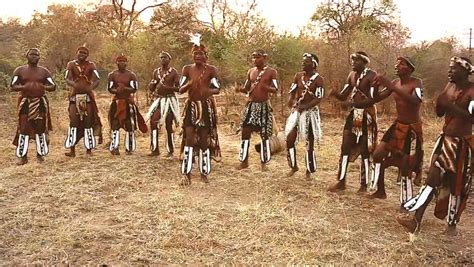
(313, 59)
(464, 63)
(358, 55)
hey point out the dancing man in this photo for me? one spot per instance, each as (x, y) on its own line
(450, 173)
(401, 145)
(360, 130)
(82, 77)
(258, 114)
(304, 122)
(34, 120)
(123, 112)
(165, 107)
(200, 81)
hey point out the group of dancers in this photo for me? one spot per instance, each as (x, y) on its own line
(449, 176)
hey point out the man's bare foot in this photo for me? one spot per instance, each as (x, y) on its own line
(292, 171)
(39, 158)
(409, 223)
(451, 230)
(339, 186)
(89, 152)
(402, 209)
(185, 180)
(154, 153)
(264, 167)
(169, 155)
(128, 152)
(362, 188)
(242, 165)
(204, 179)
(71, 154)
(308, 176)
(22, 161)
(378, 194)
(115, 152)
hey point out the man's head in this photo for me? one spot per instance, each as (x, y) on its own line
(310, 62)
(82, 53)
(259, 58)
(359, 60)
(121, 61)
(33, 55)
(165, 58)
(459, 69)
(404, 66)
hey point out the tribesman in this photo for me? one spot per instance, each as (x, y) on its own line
(201, 82)
(123, 112)
(34, 120)
(401, 145)
(82, 77)
(450, 173)
(165, 107)
(360, 130)
(258, 113)
(304, 122)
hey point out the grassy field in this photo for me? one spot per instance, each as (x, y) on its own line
(123, 209)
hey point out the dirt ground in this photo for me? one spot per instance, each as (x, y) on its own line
(108, 209)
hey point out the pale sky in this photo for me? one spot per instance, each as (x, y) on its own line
(427, 19)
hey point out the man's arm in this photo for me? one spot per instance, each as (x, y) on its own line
(15, 85)
(292, 91)
(343, 94)
(318, 93)
(247, 84)
(215, 85)
(175, 86)
(274, 84)
(68, 75)
(95, 77)
(48, 83)
(184, 82)
(414, 98)
(153, 82)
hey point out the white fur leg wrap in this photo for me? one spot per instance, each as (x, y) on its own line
(406, 189)
(310, 158)
(205, 161)
(343, 167)
(244, 150)
(265, 155)
(89, 138)
(187, 163)
(364, 171)
(420, 199)
(154, 139)
(130, 142)
(114, 143)
(170, 143)
(41, 145)
(71, 137)
(291, 157)
(453, 208)
(376, 175)
(22, 148)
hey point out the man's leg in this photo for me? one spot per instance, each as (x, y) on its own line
(244, 148)
(169, 134)
(378, 175)
(204, 154)
(348, 140)
(23, 140)
(420, 202)
(187, 164)
(291, 151)
(42, 148)
(89, 137)
(154, 134)
(310, 155)
(71, 138)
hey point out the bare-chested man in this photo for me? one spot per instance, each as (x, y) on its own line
(401, 145)
(258, 114)
(360, 130)
(200, 81)
(450, 173)
(31, 81)
(304, 122)
(82, 78)
(165, 107)
(123, 112)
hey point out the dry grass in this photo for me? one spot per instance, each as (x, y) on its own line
(130, 210)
